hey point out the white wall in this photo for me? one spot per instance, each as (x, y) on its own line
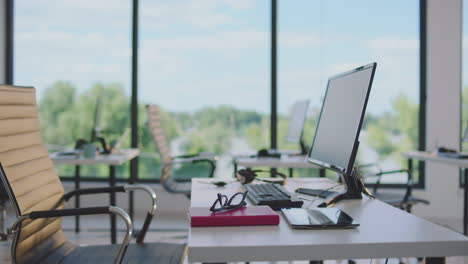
(444, 25)
(2, 40)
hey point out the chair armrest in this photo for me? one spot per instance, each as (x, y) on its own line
(369, 165)
(206, 155)
(182, 159)
(70, 194)
(392, 172)
(69, 212)
(82, 211)
(124, 188)
(409, 181)
(150, 213)
(196, 159)
(380, 173)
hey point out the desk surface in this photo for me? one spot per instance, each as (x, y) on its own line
(283, 162)
(432, 156)
(113, 159)
(384, 232)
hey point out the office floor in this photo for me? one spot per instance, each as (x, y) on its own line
(95, 236)
(173, 228)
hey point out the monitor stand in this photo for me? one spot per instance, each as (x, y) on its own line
(354, 190)
(354, 184)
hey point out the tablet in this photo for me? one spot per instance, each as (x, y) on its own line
(318, 218)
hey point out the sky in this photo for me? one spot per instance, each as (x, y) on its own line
(197, 53)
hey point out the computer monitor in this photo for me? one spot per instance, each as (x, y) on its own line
(296, 124)
(96, 129)
(335, 143)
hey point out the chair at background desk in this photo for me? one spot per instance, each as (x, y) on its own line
(168, 180)
(403, 200)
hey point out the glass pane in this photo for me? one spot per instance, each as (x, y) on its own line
(319, 39)
(206, 64)
(73, 52)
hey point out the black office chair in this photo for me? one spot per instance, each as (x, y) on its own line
(403, 200)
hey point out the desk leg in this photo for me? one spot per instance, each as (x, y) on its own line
(77, 198)
(465, 203)
(291, 171)
(322, 173)
(112, 202)
(435, 260)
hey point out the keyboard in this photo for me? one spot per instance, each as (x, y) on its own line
(270, 194)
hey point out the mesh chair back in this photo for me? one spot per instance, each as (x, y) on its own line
(157, 133)
(30, 179)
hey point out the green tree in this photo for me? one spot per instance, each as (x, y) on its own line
(395, 132)
(56, 100)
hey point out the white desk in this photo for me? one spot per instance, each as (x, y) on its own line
(290, 162)
(114, 159)
(385, 231)
(461, 163)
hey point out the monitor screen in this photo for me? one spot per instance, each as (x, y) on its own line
(340, 119)
(296, 121)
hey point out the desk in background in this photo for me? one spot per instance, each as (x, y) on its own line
(290, 162)
(113, 160)
(461, 163)
(385, 231)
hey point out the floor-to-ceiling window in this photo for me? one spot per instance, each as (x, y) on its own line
(74, 52)
(206, 64)
(318, 39)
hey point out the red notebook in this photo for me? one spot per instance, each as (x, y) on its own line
(245, 216)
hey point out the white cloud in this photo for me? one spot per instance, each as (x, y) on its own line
(397, 45)
(299, 40)
(397, 70)
(193, 14)
(87, 41)
(183, 43)
(224, 41)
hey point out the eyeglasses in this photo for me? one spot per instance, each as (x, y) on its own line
(223, 203)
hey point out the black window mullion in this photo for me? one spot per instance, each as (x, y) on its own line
(9, 29)
(422, 88)
(273, 121)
